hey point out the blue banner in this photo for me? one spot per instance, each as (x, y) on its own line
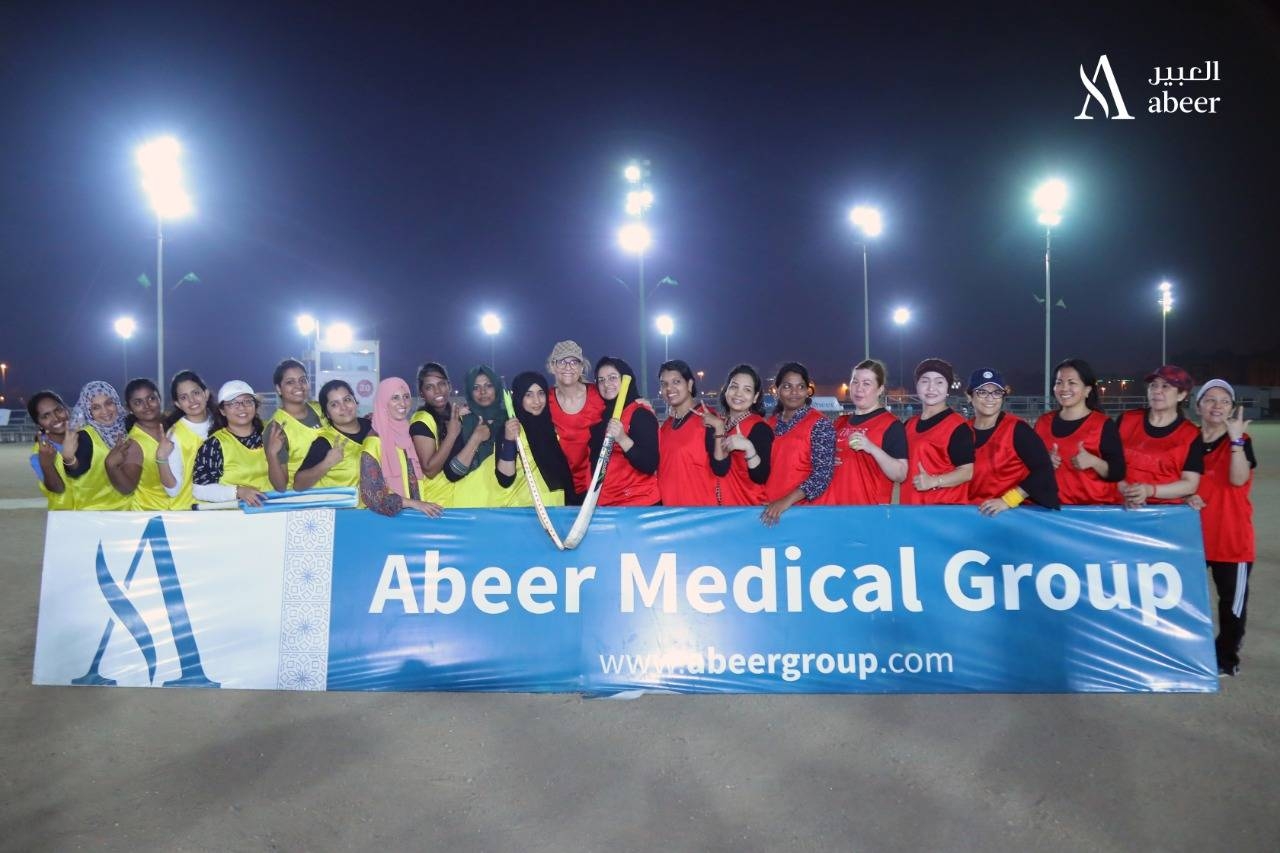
(831, 600)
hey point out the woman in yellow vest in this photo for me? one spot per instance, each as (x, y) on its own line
(188, 425)
(293, 426)
(551, 474)
(435, 429)
(334, 457)
(390, 477)
(94, 450)
(146, 464)
(483, 469)
(231, 464)
(50, 414)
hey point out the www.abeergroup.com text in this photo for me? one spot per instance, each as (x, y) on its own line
(789, 666)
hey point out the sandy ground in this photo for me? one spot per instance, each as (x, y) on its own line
(121, 769)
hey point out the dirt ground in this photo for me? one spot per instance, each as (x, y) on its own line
(125, 769)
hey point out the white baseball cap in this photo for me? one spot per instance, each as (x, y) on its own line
(1216, 383)
(234, 388)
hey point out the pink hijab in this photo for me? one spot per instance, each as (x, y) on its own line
(394, 434)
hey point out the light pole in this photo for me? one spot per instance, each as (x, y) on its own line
(635, 237)
(4, 380)
(162, 182)
(309, 328)
(1049, 198)
(901, 316)
(666, 327)
(868, 221)
(1166, 305)
(125, 327)
(492, 324)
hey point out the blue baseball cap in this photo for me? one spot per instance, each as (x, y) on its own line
(984, 376)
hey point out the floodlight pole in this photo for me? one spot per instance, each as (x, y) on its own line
(160, 380)
(866, 307)
(644, 331)
(1048, 309)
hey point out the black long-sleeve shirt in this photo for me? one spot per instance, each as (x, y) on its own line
(1040, 484)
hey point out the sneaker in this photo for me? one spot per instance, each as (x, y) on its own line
(1232, 670)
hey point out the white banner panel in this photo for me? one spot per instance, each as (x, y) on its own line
(196, 599)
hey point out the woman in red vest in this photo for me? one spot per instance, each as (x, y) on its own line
(1083, 444)
(1010, 463)
(803, 452)
(871, 444)
(743, 441)
(1163, 460)
(1226, 513)
(939, 442)
(686, 441)
(631, 478)
(576, 406)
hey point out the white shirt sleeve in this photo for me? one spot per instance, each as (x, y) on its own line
(175, 468)
(213, 492)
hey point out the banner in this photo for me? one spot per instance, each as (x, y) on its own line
(831, 600)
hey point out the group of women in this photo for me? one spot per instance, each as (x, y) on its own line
(111, 454)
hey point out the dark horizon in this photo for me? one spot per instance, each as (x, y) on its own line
(409, 174)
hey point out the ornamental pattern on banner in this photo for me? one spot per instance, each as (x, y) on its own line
(304, 603)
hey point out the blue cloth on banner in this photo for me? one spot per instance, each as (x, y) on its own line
(832, 599)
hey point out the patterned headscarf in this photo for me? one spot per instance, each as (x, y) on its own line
(80, 418)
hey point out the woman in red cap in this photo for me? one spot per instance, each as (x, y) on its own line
(1163, 460)
(1083, 443)
(1226, 513)
(939, 442)
(1010, 463)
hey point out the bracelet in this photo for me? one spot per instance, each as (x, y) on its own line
(1237, 442)
(163, 461)
(937, 482)
(753, 457)
(1154, 489)
(1012, 498)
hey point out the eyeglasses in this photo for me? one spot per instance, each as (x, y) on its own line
(569, 361)
(242, 403)
(993, 394)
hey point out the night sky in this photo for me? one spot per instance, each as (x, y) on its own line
(408, 170)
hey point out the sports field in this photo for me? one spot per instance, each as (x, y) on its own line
(124, 769)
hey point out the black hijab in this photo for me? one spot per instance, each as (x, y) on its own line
(633, 394)
(540, 434)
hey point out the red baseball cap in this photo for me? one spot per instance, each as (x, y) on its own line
(1174, 375)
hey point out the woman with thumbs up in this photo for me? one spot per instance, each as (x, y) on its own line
(743, 445)
(334, 457)
(1084, 445)
(871, 444)
(939, 442)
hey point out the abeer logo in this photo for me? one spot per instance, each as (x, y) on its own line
(155, 538)
(1102, 70)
